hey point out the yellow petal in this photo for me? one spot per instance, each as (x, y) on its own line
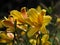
(33, 15)
(46, 20)
(40, 16)
(24, 13)
(38, 9)
(43, 12)
(8, 23)
(28, 21)
(10, 18)
(3, 41)
(35, 22)
(44, 38)
(17, 15)
(32, 41)
(48, 43)
(40, 19)
(43, 30)
(32, 31)
(23, 27)
(3, 35)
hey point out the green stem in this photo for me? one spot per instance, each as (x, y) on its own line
(15, 23)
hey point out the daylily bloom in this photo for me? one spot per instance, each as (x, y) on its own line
(38, 21)
(16, 15)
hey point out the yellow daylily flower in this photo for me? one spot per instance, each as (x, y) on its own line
(37, 20)
(20, 16)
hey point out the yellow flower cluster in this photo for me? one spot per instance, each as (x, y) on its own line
(35, 18)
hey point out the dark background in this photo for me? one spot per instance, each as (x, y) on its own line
(7, 5)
